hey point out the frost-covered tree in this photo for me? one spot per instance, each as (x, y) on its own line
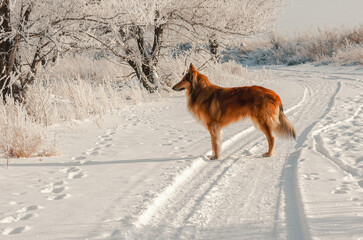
(136, 31)
(32, 32)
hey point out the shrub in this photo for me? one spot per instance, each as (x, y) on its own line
(20, 136)
(331, 45)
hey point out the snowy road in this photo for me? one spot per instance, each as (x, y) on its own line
(143, 175)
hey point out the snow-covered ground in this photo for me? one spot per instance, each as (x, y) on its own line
(143, 174)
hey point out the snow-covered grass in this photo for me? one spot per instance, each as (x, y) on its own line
(93, 66)
(20, 136)
(226, 74)
(343, 46)
(349, 54)
(58, 100)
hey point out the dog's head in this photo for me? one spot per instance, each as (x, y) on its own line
(188, 81)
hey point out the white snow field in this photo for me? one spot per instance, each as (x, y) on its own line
(143, 173)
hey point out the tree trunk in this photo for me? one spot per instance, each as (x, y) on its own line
(145, 68)
(141, 76)
(213, 49)
(5, 49)
(9, 59)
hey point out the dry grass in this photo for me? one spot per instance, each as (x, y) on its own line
(224, 74)
(342, 46)
(350, 54)
(63, 100)
(20, 136)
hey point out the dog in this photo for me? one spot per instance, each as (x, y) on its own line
(216, 107)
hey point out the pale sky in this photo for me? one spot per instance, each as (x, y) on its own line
(309, 14)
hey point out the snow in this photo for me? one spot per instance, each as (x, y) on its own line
(142, 173)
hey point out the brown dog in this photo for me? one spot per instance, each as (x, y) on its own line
(216, 107)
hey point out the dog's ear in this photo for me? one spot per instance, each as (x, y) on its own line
(192, 85)
(192, 77)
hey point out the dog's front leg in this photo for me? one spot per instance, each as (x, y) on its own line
(215, 134)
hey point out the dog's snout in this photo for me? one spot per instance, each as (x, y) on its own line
(177, 88)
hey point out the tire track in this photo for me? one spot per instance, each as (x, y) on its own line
(294, 210)
(312, 150)
(181, 179)
(319, 146)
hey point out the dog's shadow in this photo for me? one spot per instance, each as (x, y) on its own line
(244, 155)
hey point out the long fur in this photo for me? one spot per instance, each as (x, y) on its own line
(216, 107)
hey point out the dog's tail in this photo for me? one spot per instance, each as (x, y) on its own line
(285, 128)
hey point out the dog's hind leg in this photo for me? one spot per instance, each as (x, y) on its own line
(266, 129)
(215, 134)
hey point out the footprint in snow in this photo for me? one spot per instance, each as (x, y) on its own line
(59, 197)
(22, 214)
(32, 208)
(28, 216)
(56, 189)
(74, 175)
(104, 144)
(311, 176)
(342, 189)
(339, 192)
(79, 158)
(59, 183)
(12, 231)
(73, 172)
(105, 138)
(110, 132)
(93, 151)
(53, 188)
(360, 183)
(165, 144)
(18, 194)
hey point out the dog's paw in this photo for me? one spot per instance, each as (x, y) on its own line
(212, 157)
(267, 154)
